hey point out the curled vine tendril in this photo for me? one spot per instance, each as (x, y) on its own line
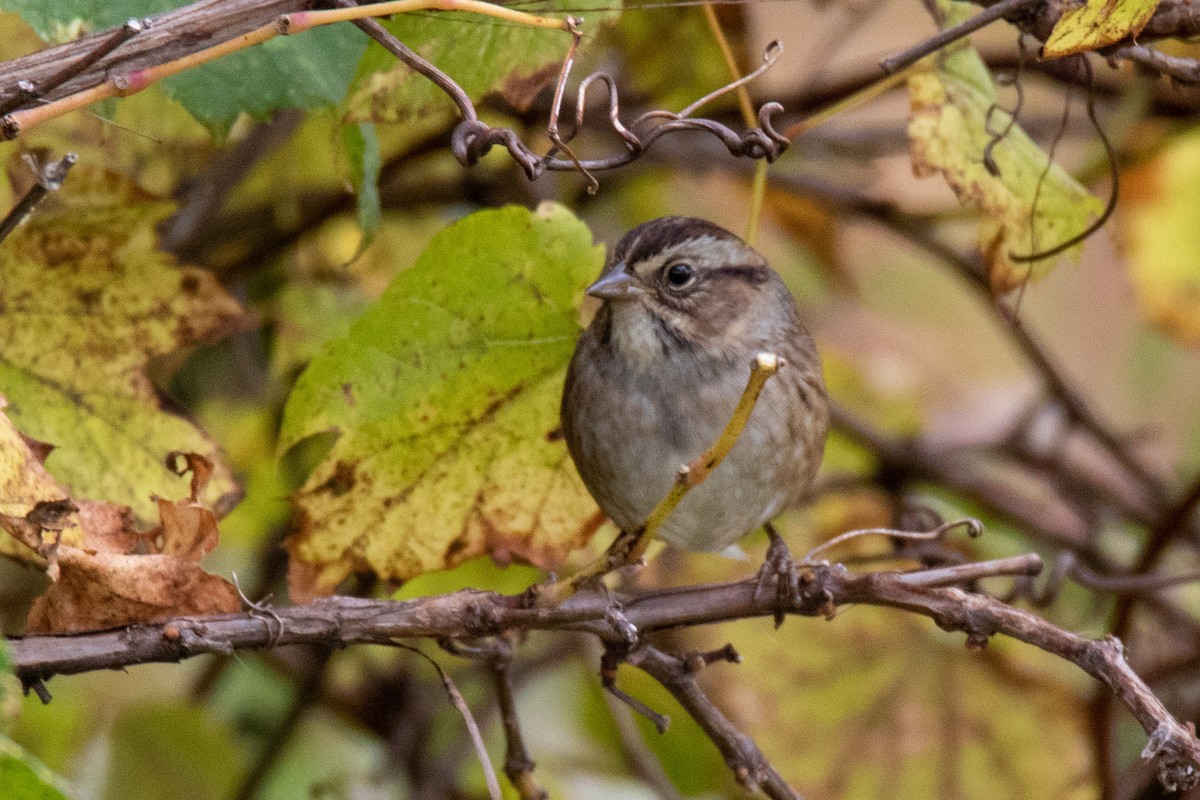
(473, 138)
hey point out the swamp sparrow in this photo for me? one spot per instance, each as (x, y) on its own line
(687, 306)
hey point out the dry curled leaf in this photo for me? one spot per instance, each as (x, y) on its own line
(105, 572)
(188, 529)
(108, 590)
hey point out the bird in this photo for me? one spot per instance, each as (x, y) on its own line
(686, 306)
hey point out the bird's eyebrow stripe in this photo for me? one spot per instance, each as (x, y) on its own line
(752, 272)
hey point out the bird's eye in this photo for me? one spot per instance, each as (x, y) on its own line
(680, 275)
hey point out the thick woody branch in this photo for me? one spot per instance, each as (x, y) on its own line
(166, 37)
(474, 614)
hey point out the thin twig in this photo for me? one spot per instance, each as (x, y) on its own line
(1029, 564)
(974, 530)
(743, 757)
(49, 177)
(518, 765)
(1177, 68)
(952, 34)
(460, 704)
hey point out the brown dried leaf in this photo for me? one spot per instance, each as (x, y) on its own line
(111, 580)
(108, 590)
(188, 530)
(110, 528)
(96, 556)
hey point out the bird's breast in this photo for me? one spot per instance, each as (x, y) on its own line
(634, 427)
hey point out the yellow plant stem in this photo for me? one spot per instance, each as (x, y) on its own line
(743, 95)
(123, 84)
(758, 194)
(630, 546)
(863, 95)
(758, 188)
(303, 20)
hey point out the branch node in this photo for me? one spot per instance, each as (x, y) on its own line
(745, 777)
(977, 640)
(694, 662)
(1176, 767)
(192, 641)
(621, 624)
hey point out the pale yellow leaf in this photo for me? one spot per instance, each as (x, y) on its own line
(1096, 24)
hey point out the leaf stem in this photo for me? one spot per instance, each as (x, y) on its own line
(758, 188)
(863, 95)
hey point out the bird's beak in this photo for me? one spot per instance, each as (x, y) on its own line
(615, 284)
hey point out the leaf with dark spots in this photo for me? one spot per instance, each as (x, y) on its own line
(1096, 24)
(74, 348)
(1029, 203)
(444, 455)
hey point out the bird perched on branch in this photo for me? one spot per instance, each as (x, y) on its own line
(654, 379)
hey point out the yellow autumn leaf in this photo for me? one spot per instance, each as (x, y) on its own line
(24, 484)
(1096, 24)
(1029, 204)
(88, 300)
(444, 395)
(1161, 229)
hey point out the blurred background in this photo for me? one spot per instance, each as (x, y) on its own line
(1063, 415)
